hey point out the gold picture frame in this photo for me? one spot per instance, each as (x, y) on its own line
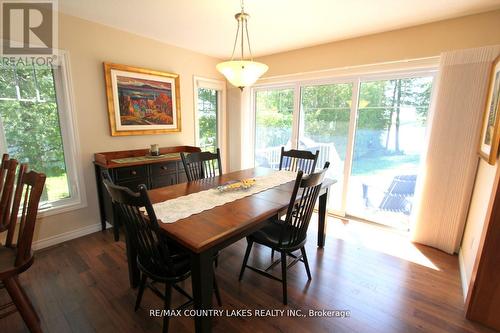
(490, 134)
(142, 101)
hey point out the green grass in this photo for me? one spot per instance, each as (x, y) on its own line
(372, 165)
(56, 188)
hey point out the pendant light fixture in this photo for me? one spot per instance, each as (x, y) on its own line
(243, 72)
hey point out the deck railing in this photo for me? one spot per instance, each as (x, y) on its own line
(270, 157)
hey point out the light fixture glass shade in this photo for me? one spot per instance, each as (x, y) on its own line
(242, 73)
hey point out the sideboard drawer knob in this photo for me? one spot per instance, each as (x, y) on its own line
(133, 172)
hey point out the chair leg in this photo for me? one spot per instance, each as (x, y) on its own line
(283, 277)
(306, 262)
(23, 305)
(168, 299)
(27, 299)
(272, 254)
(245, 259)
(140, 292)
(217, 292)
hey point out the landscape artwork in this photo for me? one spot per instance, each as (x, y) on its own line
(490, 135)
(141, 101)
(144, 102)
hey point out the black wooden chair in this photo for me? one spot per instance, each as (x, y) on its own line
(289, 235)
(15, 258)
(158, 258)
(298, 160)
(202, 165)
(116, 222)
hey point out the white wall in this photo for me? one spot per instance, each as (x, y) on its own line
(483, 191)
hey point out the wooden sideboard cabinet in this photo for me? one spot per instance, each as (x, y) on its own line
(131, 168)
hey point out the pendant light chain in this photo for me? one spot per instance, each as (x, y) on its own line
(248, 40)
(235, 41)
(243, 22)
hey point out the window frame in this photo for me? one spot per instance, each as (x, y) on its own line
(70, 140)
(220, 86)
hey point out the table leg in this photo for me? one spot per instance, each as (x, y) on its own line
(322, 215)
(202, 274)
(133, 270)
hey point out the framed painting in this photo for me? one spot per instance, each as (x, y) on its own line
(490, 135)
(142, 101)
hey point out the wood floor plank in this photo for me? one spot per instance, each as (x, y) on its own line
(82, 286)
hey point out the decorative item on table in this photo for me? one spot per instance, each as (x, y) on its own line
(154, 150)
(237, 185)
(142, 101)
(490, 135)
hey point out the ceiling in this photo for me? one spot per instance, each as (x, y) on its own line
(208, 26)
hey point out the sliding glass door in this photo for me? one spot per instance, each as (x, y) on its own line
(389, 141)
(372, 131)
(273, 125)
(324, 126)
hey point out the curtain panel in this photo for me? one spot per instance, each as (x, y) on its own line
(450, 164)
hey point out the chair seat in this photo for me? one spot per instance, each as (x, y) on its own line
(271, 233)
(181, 263)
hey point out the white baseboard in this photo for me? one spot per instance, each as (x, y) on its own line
(66, 236)
(463, 274)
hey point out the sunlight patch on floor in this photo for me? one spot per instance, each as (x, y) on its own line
(379, 239)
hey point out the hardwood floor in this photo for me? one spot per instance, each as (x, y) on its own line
(387, 284)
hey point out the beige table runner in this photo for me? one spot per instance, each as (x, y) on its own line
(172, 210)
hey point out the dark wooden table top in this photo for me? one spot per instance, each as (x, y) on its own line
(201, 231)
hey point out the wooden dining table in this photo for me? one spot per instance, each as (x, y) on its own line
(205, 233)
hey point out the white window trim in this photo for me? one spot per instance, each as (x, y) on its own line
(354, 75)
(219, 85)
(70, 139)
(70, 136)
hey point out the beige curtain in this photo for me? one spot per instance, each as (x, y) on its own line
(449, 169)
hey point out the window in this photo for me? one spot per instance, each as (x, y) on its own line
(210, 114)
(208, 103)
(36, 128)
(370, 127)
(273, 125)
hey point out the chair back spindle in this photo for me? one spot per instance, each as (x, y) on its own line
(298, 160)
(7, 179)
(301, 207)
(5, 158)
(201, 165)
